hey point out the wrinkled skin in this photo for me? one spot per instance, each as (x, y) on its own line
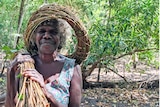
(47, 69)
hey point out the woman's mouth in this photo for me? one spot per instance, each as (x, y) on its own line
(48, 42)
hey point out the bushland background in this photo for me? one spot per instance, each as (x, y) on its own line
(122, 67)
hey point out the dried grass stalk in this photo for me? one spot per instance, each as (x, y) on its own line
(31, 94)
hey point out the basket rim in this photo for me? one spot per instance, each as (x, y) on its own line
(55, 11)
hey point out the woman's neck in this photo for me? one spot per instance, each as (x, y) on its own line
(47, 58)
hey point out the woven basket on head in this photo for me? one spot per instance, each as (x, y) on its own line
(55, 11)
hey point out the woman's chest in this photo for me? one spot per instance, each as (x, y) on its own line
(48, 70)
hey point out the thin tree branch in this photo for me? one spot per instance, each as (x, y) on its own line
(21, 12)
(94, 65)
(137, 50)
(109, 14)
(116, 72)
(20, 19)
(45, 1)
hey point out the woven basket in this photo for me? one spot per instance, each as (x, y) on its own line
(55, 11)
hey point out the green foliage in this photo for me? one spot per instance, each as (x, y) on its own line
(2, 80)
(121, 26)
(19, 75)
(8, 20)
(115, 27)
(20, 96)
(9, 52)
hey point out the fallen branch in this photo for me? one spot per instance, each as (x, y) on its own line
(116, 72)
(149, 81)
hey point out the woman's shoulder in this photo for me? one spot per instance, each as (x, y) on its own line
(62, 57)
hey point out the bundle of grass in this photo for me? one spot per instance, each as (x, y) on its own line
(31, 94)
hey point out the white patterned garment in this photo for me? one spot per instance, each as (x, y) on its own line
(59, 88)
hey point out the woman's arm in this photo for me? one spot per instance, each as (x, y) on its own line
(76, 88)
(11, 88)
(12, 80)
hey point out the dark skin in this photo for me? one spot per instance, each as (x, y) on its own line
(48, 68)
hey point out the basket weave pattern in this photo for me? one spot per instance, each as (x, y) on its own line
(55, 11)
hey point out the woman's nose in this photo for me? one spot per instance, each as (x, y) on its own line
(47, 35)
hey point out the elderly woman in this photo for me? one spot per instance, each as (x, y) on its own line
(59, 76)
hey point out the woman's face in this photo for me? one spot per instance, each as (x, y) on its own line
(47, 39)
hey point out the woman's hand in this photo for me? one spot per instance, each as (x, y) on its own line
(34, 75)
(19, 59)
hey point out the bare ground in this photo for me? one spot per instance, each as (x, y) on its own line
(122, 95)
(140, 91)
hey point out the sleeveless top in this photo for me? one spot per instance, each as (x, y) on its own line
(59, 88)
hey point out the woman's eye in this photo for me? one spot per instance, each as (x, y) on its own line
(41, 31)
(50, 32)
(53, 32)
